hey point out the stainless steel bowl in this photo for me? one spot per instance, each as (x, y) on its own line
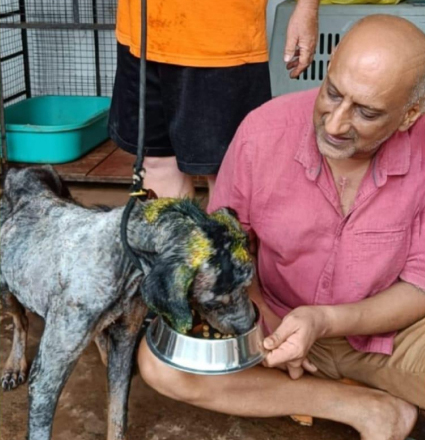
(205, 356)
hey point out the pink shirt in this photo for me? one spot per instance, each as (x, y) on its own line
(309, 252)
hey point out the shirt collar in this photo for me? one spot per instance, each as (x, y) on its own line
(392, 159)
(308, 154)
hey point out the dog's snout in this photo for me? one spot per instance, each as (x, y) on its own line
(246, 320)
(233, 320)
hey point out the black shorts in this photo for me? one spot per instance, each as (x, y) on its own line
(191, 112)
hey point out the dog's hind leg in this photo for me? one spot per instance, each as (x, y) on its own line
(102, 342)
(67, 332)
(15, 369)
(123, 338)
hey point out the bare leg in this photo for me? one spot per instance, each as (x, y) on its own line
(164, 177)
(211, 183)
(16, 367)
(263, 392)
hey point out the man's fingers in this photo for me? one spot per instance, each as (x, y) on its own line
(304, 60)
(291, 50)
(286, 352)
(308, 366)
(277, 338)
(295, 372)
(275, 358)
(293, 63)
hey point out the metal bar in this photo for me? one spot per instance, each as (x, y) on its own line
(2, 126)
(16, 95)
(8, 14)
(59, 26)
(96, 51)
(11, 56)
(25, 49)
(76, 11)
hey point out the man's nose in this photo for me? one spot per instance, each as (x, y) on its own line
(338, 121)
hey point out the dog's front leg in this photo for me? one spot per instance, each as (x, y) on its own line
(123, 338)
(68, 330)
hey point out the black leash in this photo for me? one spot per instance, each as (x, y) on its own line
(137, 191)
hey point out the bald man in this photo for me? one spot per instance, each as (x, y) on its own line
(331, 182)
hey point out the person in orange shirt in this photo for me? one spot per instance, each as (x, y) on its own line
(206, 70)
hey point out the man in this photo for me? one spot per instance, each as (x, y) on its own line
(206, 70)
(332, 184)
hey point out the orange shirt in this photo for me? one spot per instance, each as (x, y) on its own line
(197, 33)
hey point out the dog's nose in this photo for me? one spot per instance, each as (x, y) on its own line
(245, 321)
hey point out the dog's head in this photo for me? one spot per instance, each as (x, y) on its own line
(203, 263)
(32, 181)
(27, 183)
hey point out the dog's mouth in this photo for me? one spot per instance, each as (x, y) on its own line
(226, 320)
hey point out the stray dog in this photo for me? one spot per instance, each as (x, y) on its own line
(66, 263)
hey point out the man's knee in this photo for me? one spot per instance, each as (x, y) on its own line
(166, 380)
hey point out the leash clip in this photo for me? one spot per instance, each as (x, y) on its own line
(144, 194)
(140, 192)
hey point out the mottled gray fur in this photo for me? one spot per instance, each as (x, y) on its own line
(66, 263)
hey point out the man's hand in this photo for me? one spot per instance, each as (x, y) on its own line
(292, 340)
(301, 37)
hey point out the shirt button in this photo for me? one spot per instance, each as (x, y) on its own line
(325, 284)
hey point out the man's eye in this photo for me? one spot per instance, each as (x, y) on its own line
(367, 115)
(332, 94)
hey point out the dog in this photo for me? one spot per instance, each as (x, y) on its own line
(66, 263)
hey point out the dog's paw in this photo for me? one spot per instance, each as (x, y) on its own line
(12, 379)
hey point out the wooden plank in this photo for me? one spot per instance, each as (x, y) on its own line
(117, 167)
(105, 164)
(81, 168)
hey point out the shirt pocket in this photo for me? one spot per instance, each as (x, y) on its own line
(377, 259)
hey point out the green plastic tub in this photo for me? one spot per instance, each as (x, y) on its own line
(55, 129)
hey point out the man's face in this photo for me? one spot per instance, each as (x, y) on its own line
(357, 109)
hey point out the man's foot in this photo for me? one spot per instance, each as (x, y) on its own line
(387, 418)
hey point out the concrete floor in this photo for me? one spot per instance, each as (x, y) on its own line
(81, 413)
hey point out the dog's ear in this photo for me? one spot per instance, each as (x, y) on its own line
(166, 288)
(165, 291)
(53, 181)
(239, 237)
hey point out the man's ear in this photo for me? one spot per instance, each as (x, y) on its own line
(165, 291)
(411, 116)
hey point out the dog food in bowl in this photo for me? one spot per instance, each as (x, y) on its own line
(202, 330)
(205, 350)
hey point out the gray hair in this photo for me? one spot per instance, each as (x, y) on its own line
(418, 94)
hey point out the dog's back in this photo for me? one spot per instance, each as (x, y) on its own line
(48, 240)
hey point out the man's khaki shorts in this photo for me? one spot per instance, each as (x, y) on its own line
(402, 374)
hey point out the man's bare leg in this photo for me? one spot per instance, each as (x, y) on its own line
(164, 177)
(211, 178)
(264, 392)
